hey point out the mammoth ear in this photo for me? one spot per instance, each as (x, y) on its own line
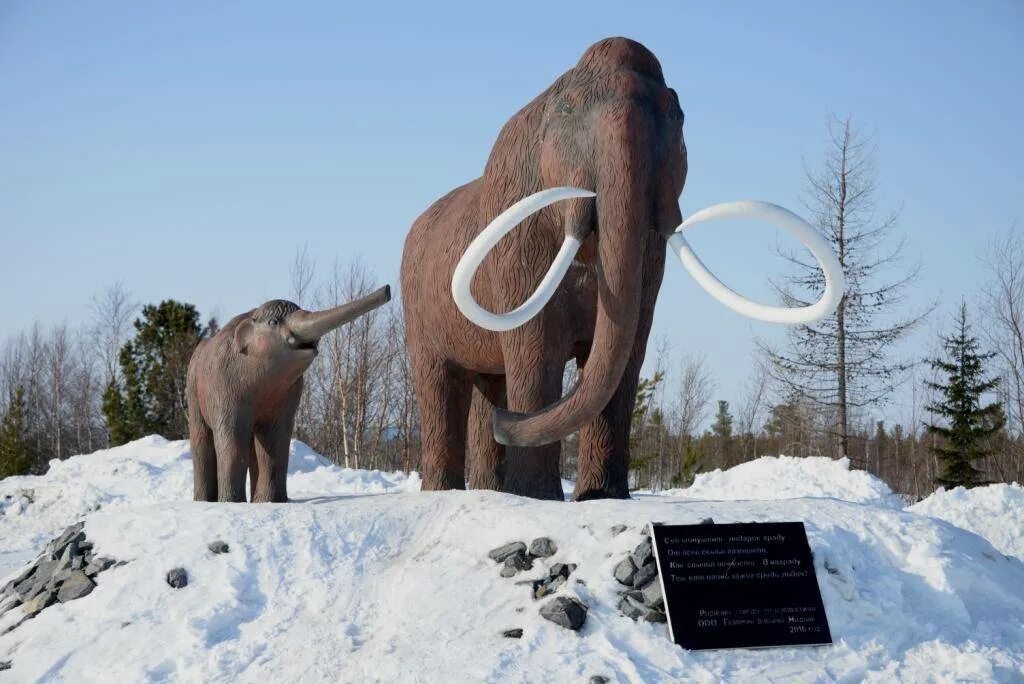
(242, 335)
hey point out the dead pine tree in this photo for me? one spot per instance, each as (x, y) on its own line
(845, 363)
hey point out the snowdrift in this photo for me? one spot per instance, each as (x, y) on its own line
(364, 578)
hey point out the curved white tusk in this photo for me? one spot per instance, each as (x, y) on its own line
(787, 221)
(478, 249)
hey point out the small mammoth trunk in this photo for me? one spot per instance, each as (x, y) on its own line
(310, 326)
(623, 213)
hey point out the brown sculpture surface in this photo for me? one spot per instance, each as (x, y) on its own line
(244, 386)
(609, 125)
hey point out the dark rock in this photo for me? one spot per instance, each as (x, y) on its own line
(635, 594)
(98, 565)
(551, 586)
(643, 554)
(177, 578)
(516, 562)
(561, 570)
(5, 665)
(655, 616)
(565, 611)
(119, 564)
(707, 521)
(218, 547)
(625, 571)
(85, 546)
(40, 601)
(516, 633)
(616, 530)
(22, 576)
(78, 562)
(499, 554)
(632, 608)
(72, 535)
(74, 587)
(543, 547)
(644, 576)
(599, 679)
(652, 596)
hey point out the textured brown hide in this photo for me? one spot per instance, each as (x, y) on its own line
(243, 390)
(610, 125)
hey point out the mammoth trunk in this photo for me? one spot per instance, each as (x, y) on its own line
(310, 326)
(623, 219)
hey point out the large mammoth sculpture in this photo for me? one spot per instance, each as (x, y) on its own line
(243, 389)
(591, 172)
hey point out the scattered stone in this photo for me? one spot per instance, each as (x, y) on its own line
(625, 571)
(501, 553)
(643, 554)
(707, 521)
(543, 547)
(78, 562)
(655, 616)
(644, 576)
(218, 547)
(516, 562)
(98, 565)
(561, 570)
(599, 679)
(652, 596)
(37, 603)
(631, 608)
(5, 665)
(177, 578)
(22, 576)
(565, 611)
(75, 586)
(516, 633)
(616, 530)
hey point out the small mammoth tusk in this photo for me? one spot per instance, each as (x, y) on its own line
(501, 226)
(787, 221)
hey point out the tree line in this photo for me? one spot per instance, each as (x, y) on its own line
(822, 391)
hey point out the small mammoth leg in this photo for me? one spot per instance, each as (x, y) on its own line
(271, 455)
(272, 463)
(204, 459)
(486, 456)
(233, 444)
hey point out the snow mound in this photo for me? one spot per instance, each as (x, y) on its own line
(785, 477)
(33, 509)
(996, 512)
(367, 579)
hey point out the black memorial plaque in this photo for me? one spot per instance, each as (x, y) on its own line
(739, 585)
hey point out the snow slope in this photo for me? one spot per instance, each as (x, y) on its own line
(996, 512)
(364, 578)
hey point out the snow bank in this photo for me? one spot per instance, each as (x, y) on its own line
(996, 512)
(786, 477)
(347, 585)
(150, 470)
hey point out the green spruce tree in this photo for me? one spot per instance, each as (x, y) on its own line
(15, 455)
(721, 431)
(970, 425)
(150, 398)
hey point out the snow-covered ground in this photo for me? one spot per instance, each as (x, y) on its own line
(364, 578)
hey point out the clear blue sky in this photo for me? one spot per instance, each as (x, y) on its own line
(187, 149)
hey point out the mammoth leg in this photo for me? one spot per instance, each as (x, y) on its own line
(532, 384)
(443, 393)
(204, 459)
(486, 456)
(272, 442)
(233, 444)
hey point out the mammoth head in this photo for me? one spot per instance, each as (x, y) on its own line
(280, 331)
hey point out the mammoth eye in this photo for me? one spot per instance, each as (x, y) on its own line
(274, 322)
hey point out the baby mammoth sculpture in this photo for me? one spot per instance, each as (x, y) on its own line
(243, 389)
(605, 140)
